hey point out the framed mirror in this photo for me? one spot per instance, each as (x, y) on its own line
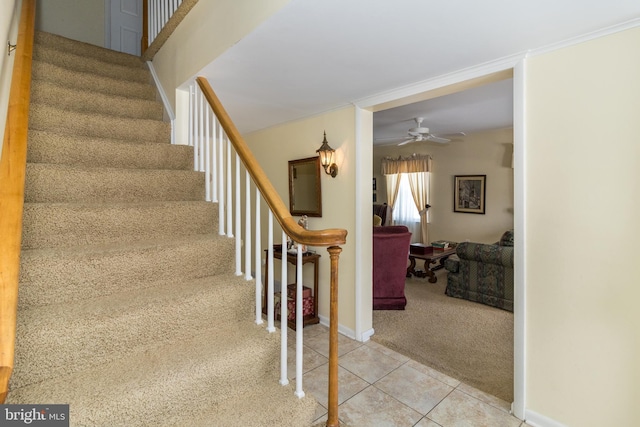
(305, 196)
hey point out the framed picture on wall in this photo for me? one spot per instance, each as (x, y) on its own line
(469, 193)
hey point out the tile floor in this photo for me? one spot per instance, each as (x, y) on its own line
(381, 388)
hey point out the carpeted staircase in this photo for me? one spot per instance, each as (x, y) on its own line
(129, 309)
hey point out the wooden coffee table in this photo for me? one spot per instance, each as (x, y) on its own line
(430, 256)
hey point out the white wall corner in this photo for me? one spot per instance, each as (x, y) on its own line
(165, 100)
(347, 332)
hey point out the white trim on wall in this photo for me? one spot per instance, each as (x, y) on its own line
(519, 190)
(538, 420)
(165, 100)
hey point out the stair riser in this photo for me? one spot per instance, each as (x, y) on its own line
(65, 225)
(90, 65)
(59, 44)
(53, 183)
(56, 120)
(44, 147)
(72, 99)
(61, 340)
(45, 71)
(56, 276)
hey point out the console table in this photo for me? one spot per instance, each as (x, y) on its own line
(307, 258)
(430, 255)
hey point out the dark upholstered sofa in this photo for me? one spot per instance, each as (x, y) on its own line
(483, 273)
(390, 256)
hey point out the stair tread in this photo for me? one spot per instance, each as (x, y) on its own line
(217, 364)
(64, 44)
(58, 120)
(73, 224)
(45, 71)
(60, 338)
(74, 99)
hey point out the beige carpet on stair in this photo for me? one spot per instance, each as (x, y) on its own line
(468, 341)
(129, 307)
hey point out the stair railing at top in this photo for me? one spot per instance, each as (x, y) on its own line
(213, 134)
(12, 174)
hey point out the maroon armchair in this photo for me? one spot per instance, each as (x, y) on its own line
(390, 255)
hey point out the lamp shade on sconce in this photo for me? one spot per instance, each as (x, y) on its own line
(326, 158)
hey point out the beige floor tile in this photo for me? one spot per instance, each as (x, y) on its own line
(368, 363)
(485, 397)
(394, 354)
(372, 407)
(426, 422)
(461, 409)
(321, 411)
(316, 382)
(320, 343)
(415, 389)
(311, 359)
(433, 373)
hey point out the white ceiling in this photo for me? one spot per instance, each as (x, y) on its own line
(313, 56)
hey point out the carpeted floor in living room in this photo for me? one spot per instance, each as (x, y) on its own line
(468, 341)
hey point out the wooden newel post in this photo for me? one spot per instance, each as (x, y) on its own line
(332, 418)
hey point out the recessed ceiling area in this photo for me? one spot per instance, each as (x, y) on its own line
(481, 108)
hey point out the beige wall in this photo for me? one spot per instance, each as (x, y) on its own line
(9, 17)
(206, 32)
(582, 196)
(274, 147)
(78, 20)
(483, 153)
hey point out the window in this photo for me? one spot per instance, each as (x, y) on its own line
(405, 211)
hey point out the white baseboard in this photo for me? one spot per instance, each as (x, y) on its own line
(347, 332)
(538, 420)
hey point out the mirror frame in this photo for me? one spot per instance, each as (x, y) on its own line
(318, 189)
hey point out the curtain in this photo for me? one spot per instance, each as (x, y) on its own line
(393, 184)
(419, 183)
(417, 168)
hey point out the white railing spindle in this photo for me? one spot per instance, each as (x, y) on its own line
(283, 313)
(238, 212)
(258, 261)
(247, 226)
(299, 324)
(220, 175)
(229, 193)
(270, 323)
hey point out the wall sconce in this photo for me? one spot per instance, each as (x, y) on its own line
(326, 158)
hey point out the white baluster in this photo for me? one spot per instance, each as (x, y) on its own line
(258, 261)
(196, 129)
(270, 323)
(283, 313)
(201, 141)
(220, 175)
(214, 157)
(299, 324)
(237, 220)
(191, 118)
(229, 193)
(247, 226)
(207, 155)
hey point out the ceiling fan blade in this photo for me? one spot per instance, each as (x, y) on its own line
(407, 141)
(395, 138)
(438, 139)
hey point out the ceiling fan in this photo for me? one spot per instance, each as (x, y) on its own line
(420, 133)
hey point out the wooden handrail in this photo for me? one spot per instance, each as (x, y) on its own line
(327, 237)
(12, 172)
